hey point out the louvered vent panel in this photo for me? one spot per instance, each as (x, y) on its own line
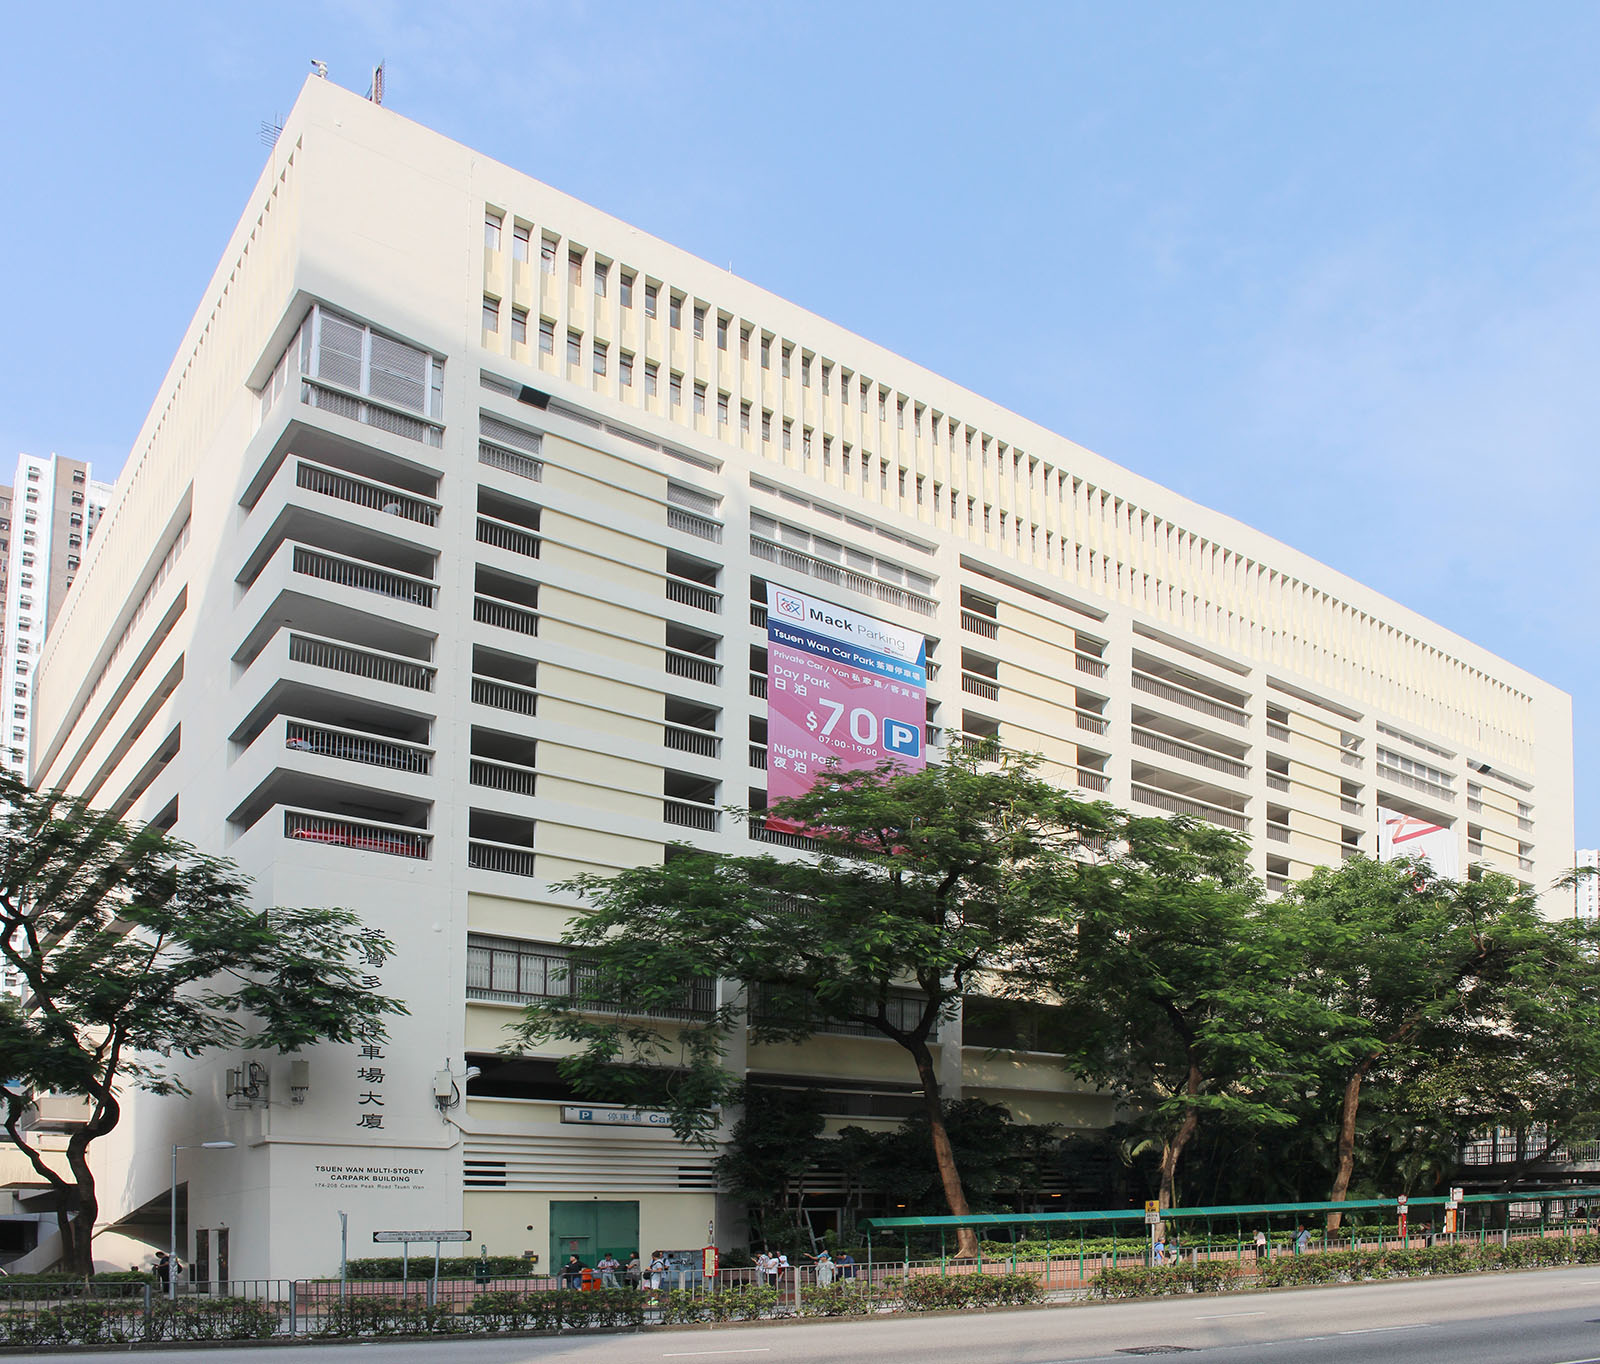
(504, 433)
(339, 354)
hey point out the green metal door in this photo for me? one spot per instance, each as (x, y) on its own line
(590, 1229)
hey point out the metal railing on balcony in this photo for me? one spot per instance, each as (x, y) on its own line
(503, 695)
(1349, 806)
(758, 685)
(1524, 864)
(758, 615)
(1176, 748)
(843, 577)
(980, 686)
(701, 527)
(1277, 781)
(369, 412)
(1091, 721)
(1186, 805)
(1184, 697)
(365, 577)
(1350, 759)
(1474, 848)
(368, 663)
(1277, 884)
(983, 747)
(1474, 805)
(686, 592)
(1524, 823)
(1089, 663)
(1277, 731)
(756, 830)
(1400, 778)
(1348, 851)
(318, 478)
(696, 667)
(349, 833)
(521, 465)
(501, 776)
(758, 756)
(690, 814)
(1278, 833)
(987, 626)
(509, 972)
(504, 535)
(902, 1008)
(352, 746)
(687, 739)
(493, 611)
(1091, 780)
(507, 858)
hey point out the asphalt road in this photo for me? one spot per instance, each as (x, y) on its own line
(1539, 1317)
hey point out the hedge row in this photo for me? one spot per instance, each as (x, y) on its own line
(1343, 1266)
(420, 1266)
(123, 1322)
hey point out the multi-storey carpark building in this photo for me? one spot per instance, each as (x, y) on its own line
(437, 575)
(58, 505)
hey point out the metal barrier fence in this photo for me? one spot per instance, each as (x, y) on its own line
(125, 1312)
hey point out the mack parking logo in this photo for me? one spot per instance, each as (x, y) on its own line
(901, 738)
(787, 605)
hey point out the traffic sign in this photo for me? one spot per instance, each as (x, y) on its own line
(412, 1237)
(1152, 1211)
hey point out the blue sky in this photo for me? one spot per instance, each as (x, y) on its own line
(1329, 269)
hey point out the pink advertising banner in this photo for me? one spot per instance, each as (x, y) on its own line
(843, 690)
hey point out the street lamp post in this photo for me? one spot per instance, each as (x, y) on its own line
(172, 1225)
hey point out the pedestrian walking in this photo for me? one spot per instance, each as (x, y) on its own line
(572, 1272)
(163, 1270)
(847, 1265)
(1302, 1240)
(608, 1267)
(630, 1271)
(658, 1270)
(1158, 1252)
(1261, 1244)
(825, 1269)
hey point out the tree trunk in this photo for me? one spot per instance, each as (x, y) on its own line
(1173, 1146)
(77, 1233)
(1345, 1165)
(944, 1157)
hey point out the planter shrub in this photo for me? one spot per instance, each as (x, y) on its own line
(213, 1319)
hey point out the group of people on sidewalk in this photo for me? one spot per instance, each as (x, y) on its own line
(610, 1272)
(1165, 1252)
(774, 1270)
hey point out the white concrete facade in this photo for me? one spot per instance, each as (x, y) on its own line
(433, 578)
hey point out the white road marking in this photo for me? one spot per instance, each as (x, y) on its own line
(1217, 1316)
(685, 1354)
(1375, 1330)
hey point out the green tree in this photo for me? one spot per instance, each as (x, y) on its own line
(133, 946)
(1174, 980)
(922, 882)
(1459, 990)
(772, 1148)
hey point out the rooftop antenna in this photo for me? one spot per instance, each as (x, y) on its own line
(375, 90)
(319, 68)
(269, 131)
